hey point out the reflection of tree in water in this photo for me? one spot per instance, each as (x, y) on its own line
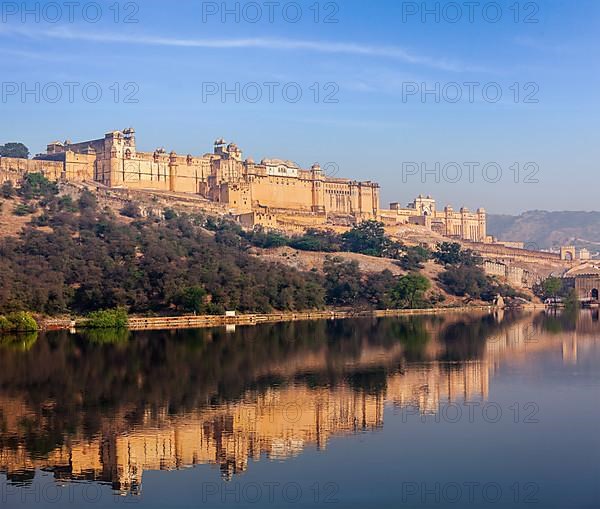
(558, 321)
(414, 335)
(107, 336)
(370, 381)
(466, 339)
(39, 444)
(21, 342)
(89, 379)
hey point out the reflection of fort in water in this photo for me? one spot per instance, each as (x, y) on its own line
(278, 422)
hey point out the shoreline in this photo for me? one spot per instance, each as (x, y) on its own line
(210, 321)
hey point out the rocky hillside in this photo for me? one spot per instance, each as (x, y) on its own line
(549, 229)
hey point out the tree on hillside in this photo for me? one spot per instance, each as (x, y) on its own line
(318, 240)
(414, 258)
(36, 185)
(451, 253)
(467, 281)
(550, 288)
(132, 210)
(369, 238)
(447, 253)
(193, 299)
(342, 281)
(464, 275)
(376, 290)
(409, 291)
(87, 201)
(8, 190)
(260, 237)
(17, 150)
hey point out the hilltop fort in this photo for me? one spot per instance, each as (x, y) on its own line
(274, 193)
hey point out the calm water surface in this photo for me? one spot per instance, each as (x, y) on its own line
(477, 410)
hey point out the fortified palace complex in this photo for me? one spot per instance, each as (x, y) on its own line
(274, 193)
(279, 195)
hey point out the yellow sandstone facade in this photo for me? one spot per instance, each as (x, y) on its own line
(462, 224)
(274, 193)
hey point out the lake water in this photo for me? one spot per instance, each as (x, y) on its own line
(462, 410)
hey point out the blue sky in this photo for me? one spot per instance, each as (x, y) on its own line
(374, 62)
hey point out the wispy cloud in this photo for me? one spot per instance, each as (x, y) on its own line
(274, 44)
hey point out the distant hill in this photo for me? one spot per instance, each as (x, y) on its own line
(549, 229)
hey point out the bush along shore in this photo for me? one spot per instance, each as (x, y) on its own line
(18, 330)
(18, 322)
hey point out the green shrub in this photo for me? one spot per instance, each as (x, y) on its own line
(409, 291)
(8, 191)
(414, 258)
(24, 209)
(260, 237)
(318, 240)
(108, 319)
(192, 299)
(369, 238)
(87, 201)
(66, 203)
(132, 210)
(170, 214)
(552, 287)
(36, 185)
(18, 322)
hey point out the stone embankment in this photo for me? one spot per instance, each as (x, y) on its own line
(207, 321)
